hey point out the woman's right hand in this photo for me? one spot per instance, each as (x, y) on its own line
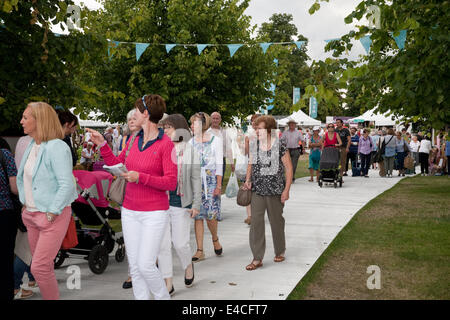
(247, 185)
(96, 137)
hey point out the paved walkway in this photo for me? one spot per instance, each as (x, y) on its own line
(314, 217)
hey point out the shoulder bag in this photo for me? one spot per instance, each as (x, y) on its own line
(117, 190)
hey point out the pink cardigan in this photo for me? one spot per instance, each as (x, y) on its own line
(157, 174)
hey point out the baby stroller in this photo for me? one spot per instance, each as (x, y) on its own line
(329, 167)
(92, 209)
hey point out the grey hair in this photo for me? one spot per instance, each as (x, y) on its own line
(130, 114)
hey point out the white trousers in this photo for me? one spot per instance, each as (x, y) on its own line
(143, 233)
(178, 233)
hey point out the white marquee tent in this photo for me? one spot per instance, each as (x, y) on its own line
(301, 118)
(379, 119)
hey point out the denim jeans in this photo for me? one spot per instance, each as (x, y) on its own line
(20, 268)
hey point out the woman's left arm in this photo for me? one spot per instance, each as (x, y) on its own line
(218, 154)
(61, 162)
(286, 159)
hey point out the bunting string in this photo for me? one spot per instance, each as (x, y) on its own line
(366, 42)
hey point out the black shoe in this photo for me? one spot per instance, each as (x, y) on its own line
(218, 251)
(127, 285)
(172, 292)
(189, 282)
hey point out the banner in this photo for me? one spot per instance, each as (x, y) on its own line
(299, 44)
(272, 89)
(140, 48)
(201, 47)
(296, 95)
(170, 47)
(233, 48)
(265, 46)
(313, 107)
(400, 39)
(366, 43)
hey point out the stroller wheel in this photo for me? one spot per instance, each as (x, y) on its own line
(59, 259)
(335, 183)
(98, 259)
(120, 253)
(320, 183)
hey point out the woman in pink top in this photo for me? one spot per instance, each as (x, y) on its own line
(151, 173)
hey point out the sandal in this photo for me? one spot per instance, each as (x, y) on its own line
(311, 180)
(217, 251)
(23, 294)
(279, 259)
(200, 258)
(253, 266)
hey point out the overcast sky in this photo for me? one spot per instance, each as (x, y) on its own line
(327, 23)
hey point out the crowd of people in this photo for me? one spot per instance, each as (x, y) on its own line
(175, 172)
(368, 148)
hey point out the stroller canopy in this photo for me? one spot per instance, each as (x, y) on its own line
(98, 184)
(329, 159)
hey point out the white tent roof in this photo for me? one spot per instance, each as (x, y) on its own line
(301, 118)
(379, 119)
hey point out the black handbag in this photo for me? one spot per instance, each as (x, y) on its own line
(17, 205)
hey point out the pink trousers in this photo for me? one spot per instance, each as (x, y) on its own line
(45, 240)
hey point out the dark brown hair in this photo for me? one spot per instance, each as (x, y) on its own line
(269, 123)
(179, 123)
(155, 105)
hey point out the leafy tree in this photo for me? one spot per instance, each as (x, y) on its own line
(36, 63)
(189, 82)
(411, 82)
(292, 68)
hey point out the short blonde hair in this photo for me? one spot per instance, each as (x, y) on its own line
(206, 123)
(47, 122)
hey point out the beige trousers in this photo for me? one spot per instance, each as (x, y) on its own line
(257, 235)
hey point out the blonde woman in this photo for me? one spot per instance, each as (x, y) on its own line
(210, 150)
(46, 189)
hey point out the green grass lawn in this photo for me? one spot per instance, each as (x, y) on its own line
(405, 231)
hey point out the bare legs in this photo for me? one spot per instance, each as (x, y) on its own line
(199, 232)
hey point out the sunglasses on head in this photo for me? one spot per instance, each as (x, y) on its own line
(145, 105)
(202, 115)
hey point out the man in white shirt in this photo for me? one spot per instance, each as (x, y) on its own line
(294, 142)
(220, 132)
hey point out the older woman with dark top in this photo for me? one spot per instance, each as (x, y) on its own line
(269, 176)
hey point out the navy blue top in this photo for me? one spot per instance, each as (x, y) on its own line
(354, 148)
(175, 200)
(10, 166)
(140, 135)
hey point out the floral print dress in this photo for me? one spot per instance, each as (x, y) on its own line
(210, 207)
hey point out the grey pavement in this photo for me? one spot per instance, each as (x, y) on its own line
(314, 216)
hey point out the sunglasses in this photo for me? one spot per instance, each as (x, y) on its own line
(145, 105)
